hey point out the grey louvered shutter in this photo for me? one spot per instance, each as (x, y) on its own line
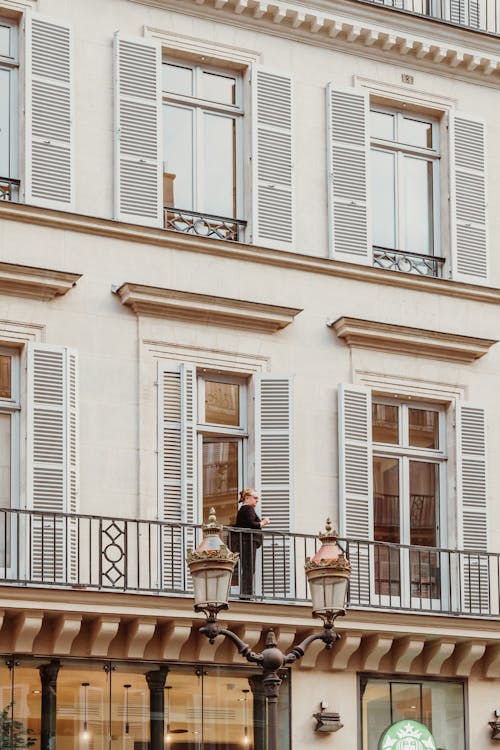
(356, 484)
(273, 192)
(348, 151)
(49, 114)
(468, 199)
(274, 478)
(472, 508)
(138, 155)
(176, 467)
(52, 452)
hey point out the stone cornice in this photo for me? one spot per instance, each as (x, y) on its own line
(370, 334)
(351, 25)
(205, 308)
(107, 228)
(35, 283)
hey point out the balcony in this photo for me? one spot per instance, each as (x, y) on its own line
(204, 225)
(110, 554)
(414, 263)
(476, 15)
(9, 189)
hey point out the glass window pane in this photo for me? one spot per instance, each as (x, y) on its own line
(130, 704)
(82, 706)
(376, 712)
(424, 428)
(222, 403)
(224, 696)
(419, 218)
(5, 40)
(219, 182)
(383, 175)
(416, 133)
(26, 706)
(385, 423)
(382, 125)
(178, 146)
(5, 145)
(218, 88)
(5, 461)
(184, 714)
(177, 79)
(424, 500)
(5, 376)
(405, 701)
(220, 479)
(386, 525)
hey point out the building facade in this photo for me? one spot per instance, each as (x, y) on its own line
(248, 243)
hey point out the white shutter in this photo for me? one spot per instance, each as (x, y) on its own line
(348, 155)
(274, 478)
(356, 484)
(52, 452)
(472, 506)
(468, 199)
(138, 156)
(273, 156)
(465, 13)
(176, 467)
(49, 113)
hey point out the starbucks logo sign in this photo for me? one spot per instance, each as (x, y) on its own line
(407, 735)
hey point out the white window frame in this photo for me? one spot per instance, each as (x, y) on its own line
(199, 106)
(401, 150)
(11, 63)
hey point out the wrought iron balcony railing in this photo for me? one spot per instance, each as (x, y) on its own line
(9, 189)
(398, 260)
(127, 555)
(204, 225)
(477, 15)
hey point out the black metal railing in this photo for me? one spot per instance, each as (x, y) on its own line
(122, 554)
(415, 263)
(477, 15)
(204, 225)
(9, 189)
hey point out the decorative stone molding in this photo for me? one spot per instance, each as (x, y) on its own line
(370, 334)
(35, 283)
(205, 308)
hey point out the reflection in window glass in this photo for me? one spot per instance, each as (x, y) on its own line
(82, 706)
(220, 171)
(220, 478)
(424, 428)
(222, 403)
(5, 462)
(5, 376)
(383, 176)
(177, 79)
(385, 423)
(418, 208)
(5, 136)
(178, 154)
(386, 524)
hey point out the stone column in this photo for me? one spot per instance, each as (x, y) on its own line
(48, 678)
(156, 682)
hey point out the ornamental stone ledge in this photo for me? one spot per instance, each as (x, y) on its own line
(205, 308)
(451, 347)
(36, 283)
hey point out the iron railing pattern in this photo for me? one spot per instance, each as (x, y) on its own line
(9, 189)
(477, 15)
(104, 553)
(398, 260)
(204, 225)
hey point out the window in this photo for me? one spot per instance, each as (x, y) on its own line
(9, 64)
(202, 114)
(404, 185)
(9, 451)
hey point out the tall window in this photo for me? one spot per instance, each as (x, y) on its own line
(408, 474)
(8, 109)
(202, 111)
(9, 450)
(404, 177)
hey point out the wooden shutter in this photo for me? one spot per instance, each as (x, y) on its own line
(468, 199)
(274, 478)
(348, 153)
(49, 114)
(52, 451)
(176, 467)
(465, 13)
(472, 508)
(138, 156)
(273, 156)
(356, 484)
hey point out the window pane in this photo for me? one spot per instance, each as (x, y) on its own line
(219, 188)
(5, 37)
(222, 403)
(405, 701)
(220, 479)
(385, 424)
(177, 79)
(82, 709)
(5, 83)
(217, 88)
(376, 712)
(386, 525)
(382, 125)
(384, 199)
(184, 715)
(5, 460)
(423, 503)
(424, 428)
(418, 209)
(130, 714)
(178, 154)
(223, 696)
(416, 133)
(5, 376)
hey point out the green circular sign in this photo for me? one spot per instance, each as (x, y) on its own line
(407, 735)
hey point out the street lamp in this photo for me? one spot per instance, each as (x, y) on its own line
(212, 565)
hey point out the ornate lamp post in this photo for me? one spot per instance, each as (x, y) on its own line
(212, 565)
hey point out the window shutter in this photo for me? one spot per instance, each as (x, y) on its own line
(49, 114)
(52, 451)
(468, 199)
(138, 155)
(356, 484)
(472, 506)
(348, 152)
(176, 467)
(274, 478)
(465, 13)
(273, 160)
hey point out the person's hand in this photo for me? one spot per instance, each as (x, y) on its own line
(264, 522)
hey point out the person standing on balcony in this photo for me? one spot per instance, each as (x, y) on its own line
(247, 518)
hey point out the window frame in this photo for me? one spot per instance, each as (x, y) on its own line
(11, 64)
